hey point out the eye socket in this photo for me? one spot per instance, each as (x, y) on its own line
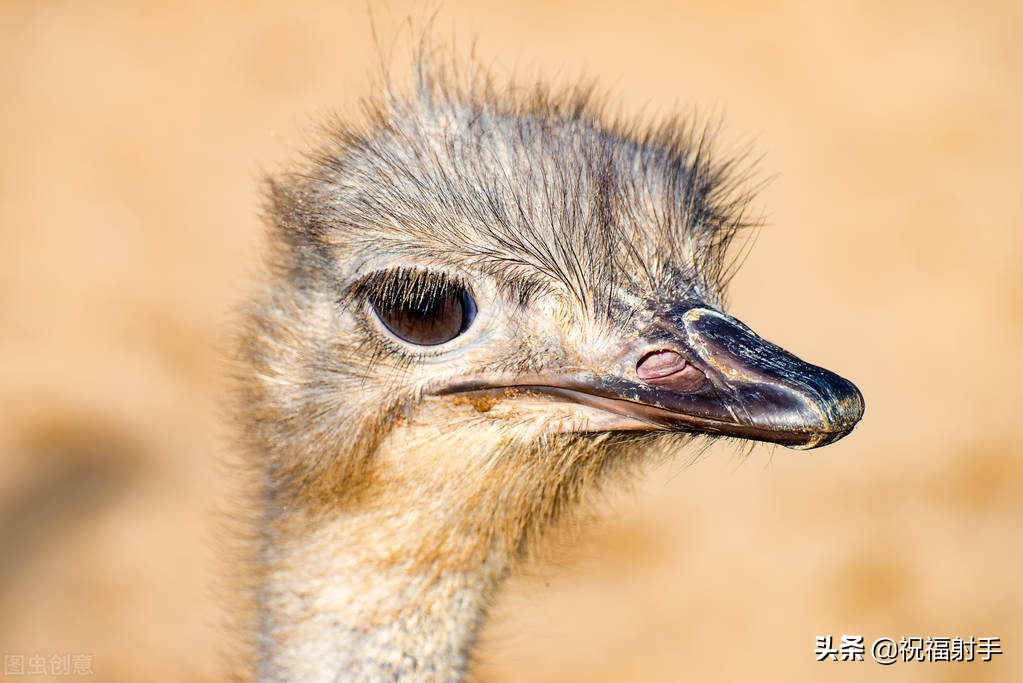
(421, 307)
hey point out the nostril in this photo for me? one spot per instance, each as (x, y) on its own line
(669, 369)
(659, 364)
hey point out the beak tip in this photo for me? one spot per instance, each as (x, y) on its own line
(844, 412)
(846, 405)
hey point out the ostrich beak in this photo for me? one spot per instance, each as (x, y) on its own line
(702, 371)
(713, 374)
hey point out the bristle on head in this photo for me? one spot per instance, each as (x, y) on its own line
(531, 183)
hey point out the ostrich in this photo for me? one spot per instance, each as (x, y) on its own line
(482, 304)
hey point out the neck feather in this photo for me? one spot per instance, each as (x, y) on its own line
(340, 604)
(391, 578)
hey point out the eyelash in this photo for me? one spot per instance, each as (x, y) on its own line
(381, 285)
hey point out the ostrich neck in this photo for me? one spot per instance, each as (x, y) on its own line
(349, 600)
(390, 579)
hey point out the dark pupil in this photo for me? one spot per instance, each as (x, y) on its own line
(431, 313)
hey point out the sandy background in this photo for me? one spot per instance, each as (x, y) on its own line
(133, 135)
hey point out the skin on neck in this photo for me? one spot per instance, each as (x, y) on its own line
(392, 580)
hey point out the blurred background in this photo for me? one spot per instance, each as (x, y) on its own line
(133, 139)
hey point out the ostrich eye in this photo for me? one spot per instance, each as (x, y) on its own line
(422, 308)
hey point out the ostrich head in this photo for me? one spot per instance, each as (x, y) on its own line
(480, 305)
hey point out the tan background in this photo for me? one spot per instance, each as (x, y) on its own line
(133, 136)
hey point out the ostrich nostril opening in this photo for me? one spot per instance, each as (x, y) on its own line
(669, 369)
